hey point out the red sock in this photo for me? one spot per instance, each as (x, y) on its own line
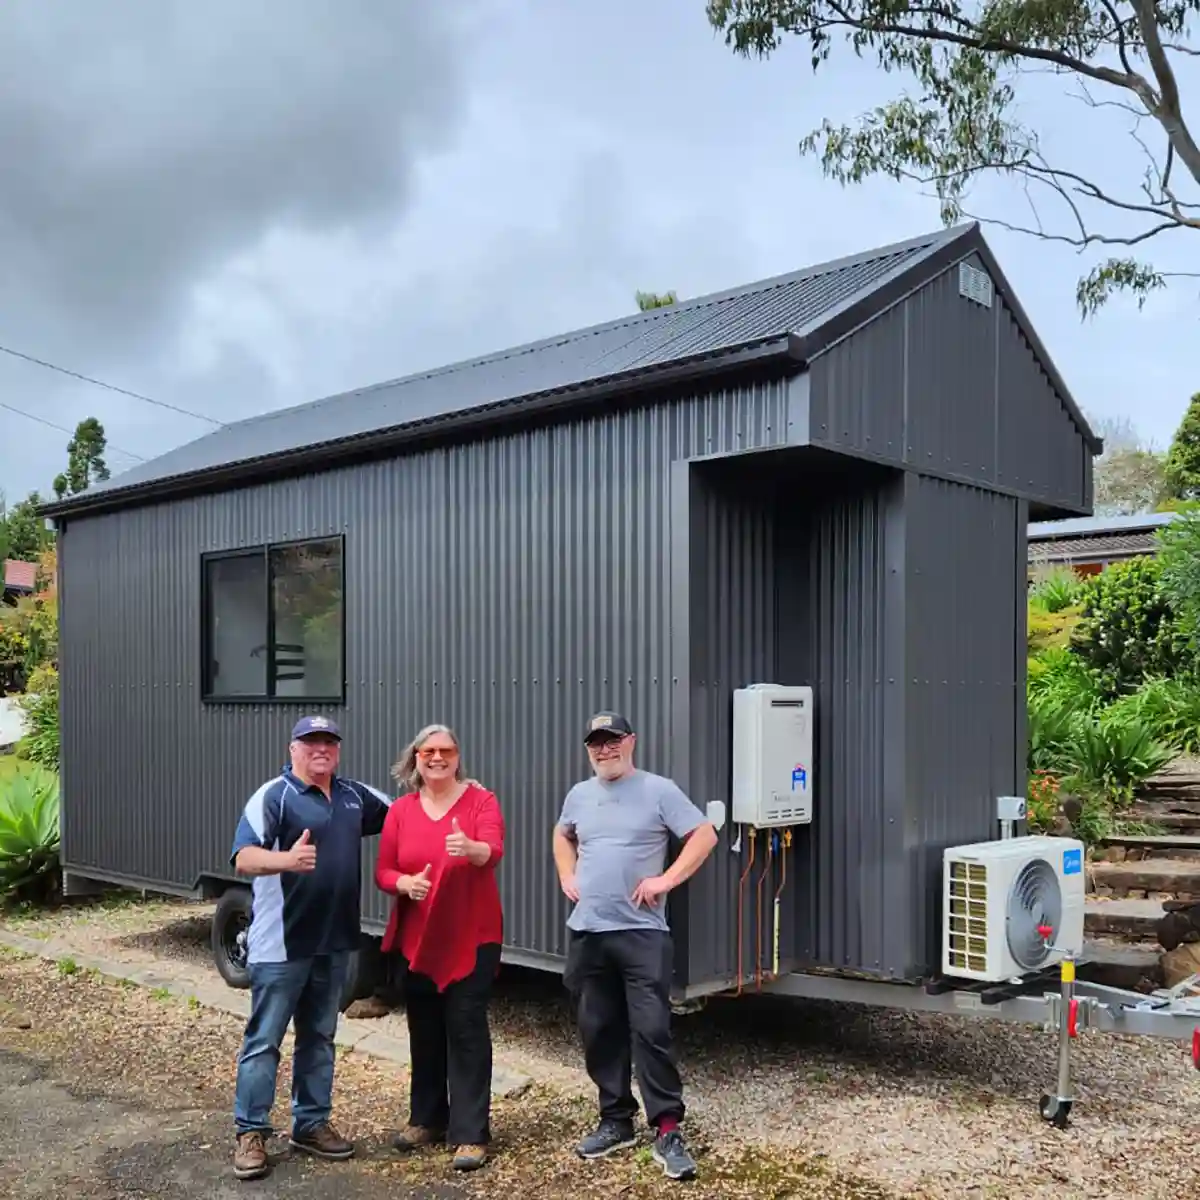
(666, 1125)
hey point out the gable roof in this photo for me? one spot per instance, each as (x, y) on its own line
(19, 576)
(788, 318)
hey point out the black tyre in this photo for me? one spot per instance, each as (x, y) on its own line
(230, 926)
(363, 972)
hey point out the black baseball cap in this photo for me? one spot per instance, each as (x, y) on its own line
(607, 723)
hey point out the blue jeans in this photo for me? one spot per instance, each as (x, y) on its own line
(307, 991)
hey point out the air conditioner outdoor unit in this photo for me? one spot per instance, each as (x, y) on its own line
(998, 899)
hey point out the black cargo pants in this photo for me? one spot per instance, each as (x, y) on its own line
(620, 983)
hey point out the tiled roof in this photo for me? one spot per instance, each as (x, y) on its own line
(1074, 549)
(19, 576)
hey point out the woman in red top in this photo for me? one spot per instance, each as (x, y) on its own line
(438, 853)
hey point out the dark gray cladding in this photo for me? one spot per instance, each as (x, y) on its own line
(846, 509)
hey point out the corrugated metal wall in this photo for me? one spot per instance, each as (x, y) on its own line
(897, 598)
(944, 385)
(507, 586)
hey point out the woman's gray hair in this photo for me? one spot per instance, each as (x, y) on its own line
(407, 773)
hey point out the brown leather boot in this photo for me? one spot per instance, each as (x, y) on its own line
(469, 1158)
(250, 1156)
(413, 1137)
(325, 1142)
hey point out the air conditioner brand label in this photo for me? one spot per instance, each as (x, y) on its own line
(1072, 861)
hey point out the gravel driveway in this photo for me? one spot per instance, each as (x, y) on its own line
(65, 1140)
(888, 1104)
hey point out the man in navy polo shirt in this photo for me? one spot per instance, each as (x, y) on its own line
(300, 839)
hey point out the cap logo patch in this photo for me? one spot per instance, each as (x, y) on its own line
(601, 722)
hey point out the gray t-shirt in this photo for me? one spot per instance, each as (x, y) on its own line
(621, 830)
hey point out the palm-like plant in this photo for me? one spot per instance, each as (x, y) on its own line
(29, 833)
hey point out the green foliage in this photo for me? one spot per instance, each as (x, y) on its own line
(85, 459)
(648, 300)
(1054, 589)
(1128, 632)
(1050, 630)
(40, 704)
(1183, 458)
(959, 114)
(1170, 708)
(1115, 754)
(1178, 560)
(29, 833)
(25, 532)
(1057, 675)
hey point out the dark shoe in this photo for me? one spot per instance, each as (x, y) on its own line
(250, 1156)
(469, 1158)
(608, 1138)
(325, 1142)
(671, 1154)
(413, 1137)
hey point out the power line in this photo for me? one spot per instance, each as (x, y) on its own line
(63, 429)
(187, 412)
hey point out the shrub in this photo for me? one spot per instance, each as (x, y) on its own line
(1051, 725)
(1054, 589)
(1170, 708)
(1057, 674)
(29, 834)
(1128, 632)
(1051, 630)
(40, 705)
(1115, 754)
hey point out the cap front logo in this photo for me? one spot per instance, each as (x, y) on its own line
(601, 722)
(319, 723)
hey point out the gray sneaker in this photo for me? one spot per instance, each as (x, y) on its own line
(672, 1155)
(609, 1137)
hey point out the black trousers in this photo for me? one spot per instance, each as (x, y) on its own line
(620, 984)
(451, 1047)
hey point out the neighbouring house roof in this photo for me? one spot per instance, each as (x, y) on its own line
(786, 318)
(19, 576)
(1085, 539)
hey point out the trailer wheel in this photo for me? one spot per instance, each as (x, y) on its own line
(230, 927)
(362, 973)
(1057, 1112)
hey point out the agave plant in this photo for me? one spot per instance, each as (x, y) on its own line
(28, 833)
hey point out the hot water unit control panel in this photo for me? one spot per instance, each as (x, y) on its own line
(772, 755)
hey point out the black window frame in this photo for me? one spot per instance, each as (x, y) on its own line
(263, 550)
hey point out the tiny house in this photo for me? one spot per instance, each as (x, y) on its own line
(820, 480)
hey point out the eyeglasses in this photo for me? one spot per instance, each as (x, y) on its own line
(428, 752)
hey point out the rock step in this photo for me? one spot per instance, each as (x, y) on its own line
(1132, 847)
(1122, 918)
(1158, 813)
(1167, 877)
(1136, 967)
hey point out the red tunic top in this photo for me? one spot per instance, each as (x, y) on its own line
(440, 934)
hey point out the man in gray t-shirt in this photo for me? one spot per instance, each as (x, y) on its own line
(610, 848)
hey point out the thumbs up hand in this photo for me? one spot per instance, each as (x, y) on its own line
(418, 885)
(457, 842)
(303, 854)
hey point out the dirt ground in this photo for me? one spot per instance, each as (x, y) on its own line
(111, 1092)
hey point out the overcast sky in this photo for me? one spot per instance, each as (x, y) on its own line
(232, 207)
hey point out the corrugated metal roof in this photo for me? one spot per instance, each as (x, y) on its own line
(795, 303)
(1095, 526)
(20, 576)
(801, 308)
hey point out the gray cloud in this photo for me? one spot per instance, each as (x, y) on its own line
(149, 141)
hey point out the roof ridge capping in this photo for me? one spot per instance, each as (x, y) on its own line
(670, 343)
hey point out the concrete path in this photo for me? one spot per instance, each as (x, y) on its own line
(59, 1141)
(351, 1035)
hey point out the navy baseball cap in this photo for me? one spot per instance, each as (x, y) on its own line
(607, 724)
(307, 726)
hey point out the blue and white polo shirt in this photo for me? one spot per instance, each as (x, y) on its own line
(299, 915)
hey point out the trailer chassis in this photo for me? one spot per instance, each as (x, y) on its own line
(1075, 1006)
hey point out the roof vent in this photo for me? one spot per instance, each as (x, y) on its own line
(975, 284)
